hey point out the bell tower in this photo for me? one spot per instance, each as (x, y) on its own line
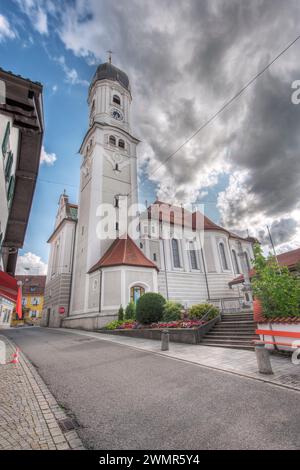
(108, 171)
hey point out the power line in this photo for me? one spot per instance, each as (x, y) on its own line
(217, 113)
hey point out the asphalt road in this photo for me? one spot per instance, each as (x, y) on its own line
(129, 399)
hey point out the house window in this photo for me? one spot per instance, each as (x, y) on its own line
(175, 251)
(136, 292)
(223, 256)
(235, 262)
(193, 256)
(247, 260)
(116, 99)
(8, 165)
(112, 140)
(121, 144)
(5, 141)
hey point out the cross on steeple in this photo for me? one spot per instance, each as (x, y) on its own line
(109, 55)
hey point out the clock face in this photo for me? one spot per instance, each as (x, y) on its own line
(117, 114)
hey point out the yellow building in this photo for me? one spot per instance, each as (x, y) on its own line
(33, 288)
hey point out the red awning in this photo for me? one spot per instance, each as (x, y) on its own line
(8, 286)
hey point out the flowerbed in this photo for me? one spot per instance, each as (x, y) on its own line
(132, 324)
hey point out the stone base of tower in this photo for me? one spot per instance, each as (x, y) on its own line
(89, 321)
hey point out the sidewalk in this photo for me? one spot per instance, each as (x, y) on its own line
(30, 417)
(240, 362)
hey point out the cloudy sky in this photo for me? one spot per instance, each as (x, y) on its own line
(185, 60)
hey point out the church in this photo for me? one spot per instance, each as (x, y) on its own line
(109, 250)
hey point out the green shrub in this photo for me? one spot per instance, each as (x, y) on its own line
(130, 311)
(172, 311)
(199, 310)
(276, 288)
(121, 313)
(149, 308)
(113, 324)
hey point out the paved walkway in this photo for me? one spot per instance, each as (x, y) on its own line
(234, 361)
(30, 417)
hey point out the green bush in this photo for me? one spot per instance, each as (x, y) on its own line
(113, 324)
(199, 310)
(130, 311)
(121, 313)
(149, 308)
(172, 311)
(276, 288)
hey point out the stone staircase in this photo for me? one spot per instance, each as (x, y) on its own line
(235, 330)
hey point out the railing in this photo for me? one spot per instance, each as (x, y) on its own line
(228, 304)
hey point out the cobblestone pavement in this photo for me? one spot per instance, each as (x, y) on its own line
(30, 417)
(236, 361)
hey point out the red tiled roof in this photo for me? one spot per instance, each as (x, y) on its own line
(123, 251)
(289, 259)
(180, 216)
(8, 286)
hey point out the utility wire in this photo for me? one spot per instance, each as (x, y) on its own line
(217, 113)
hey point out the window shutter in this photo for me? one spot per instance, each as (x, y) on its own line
(5, 139)
(8, 166)
(11, 188)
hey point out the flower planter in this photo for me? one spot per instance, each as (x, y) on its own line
(177, 335)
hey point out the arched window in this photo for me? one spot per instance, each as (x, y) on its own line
(112, 140)
(193, 256)
(116, 99)
(235, 262)
(136, 292)
(247, 260)
(121, 144)
(223, 256)
(175, 251)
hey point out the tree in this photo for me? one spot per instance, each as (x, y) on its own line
(277, 290)
(121, 313)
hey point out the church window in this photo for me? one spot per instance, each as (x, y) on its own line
(121, 144)
(141, 246)
(154, 257)
(112, 140)
(117, 226)
(116, 199)
(193, 256)
(116, 99)
(136, 292)
(175, 251)
(235, 262)
(116, 167)
(223, 256)
(247, 260)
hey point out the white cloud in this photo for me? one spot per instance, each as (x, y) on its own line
(54, 89)
(6, 32)
(37, 14)
(71, 74)
(29, 263)
(47, 158)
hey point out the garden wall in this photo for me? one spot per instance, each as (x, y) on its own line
(176, 335)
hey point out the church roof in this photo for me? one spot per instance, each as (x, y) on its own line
(123, 251)
(108, 71)
(180, 216)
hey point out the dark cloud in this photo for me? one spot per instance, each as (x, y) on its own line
(185, 59)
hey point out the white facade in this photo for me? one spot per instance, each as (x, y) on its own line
(9, 139)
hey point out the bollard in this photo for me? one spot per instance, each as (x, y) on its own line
(165, 340)
(263, 359)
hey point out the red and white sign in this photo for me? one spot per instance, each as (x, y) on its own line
(61, 310)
